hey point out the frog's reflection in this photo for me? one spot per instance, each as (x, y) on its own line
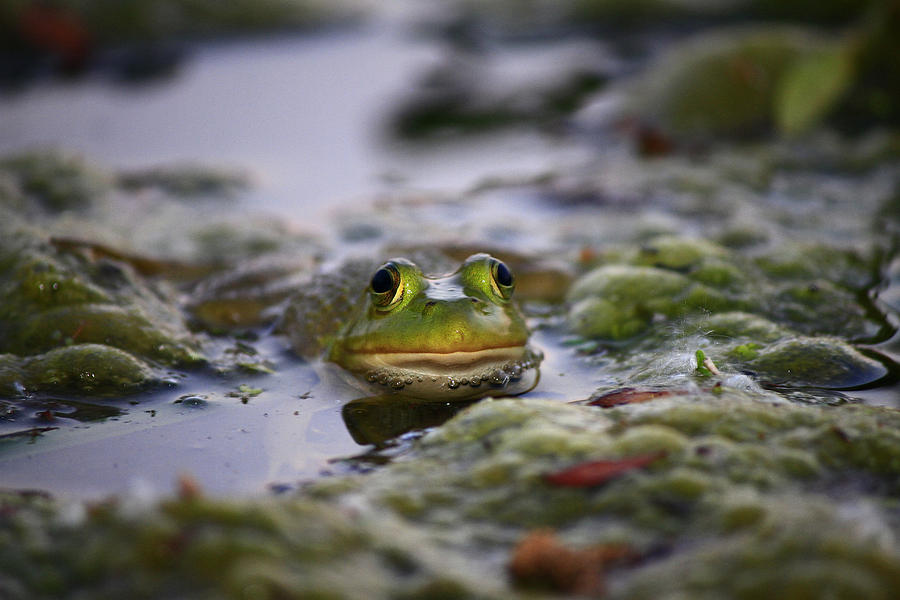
(377, 419)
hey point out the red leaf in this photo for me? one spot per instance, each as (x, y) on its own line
(630, 396)
(598, 472)
(57, 31)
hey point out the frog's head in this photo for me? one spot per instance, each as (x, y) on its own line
(459, 335)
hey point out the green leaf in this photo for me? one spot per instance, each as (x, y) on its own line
(701, 364)
(811, 87)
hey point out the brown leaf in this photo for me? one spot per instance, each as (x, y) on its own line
(541, 560)
(598, 472)
(57, 31)
(188, 487)
(653, 142)
(630, 396)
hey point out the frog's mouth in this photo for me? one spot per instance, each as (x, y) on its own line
(507, 369)
(445, 363)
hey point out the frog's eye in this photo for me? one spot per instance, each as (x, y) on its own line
(385, 285)
(502, 280)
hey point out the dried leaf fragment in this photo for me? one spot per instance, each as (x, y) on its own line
(630, 395)
(541, 560)
(598, 472)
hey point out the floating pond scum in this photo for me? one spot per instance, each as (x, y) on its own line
(679, 242)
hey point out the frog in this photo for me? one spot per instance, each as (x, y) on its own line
(458, 335)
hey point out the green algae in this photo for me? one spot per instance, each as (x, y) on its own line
(784, 314)
(62, 294)
(53, 296)
(57, 181)
(185, 181)
(617, 302)
(71, 322)
(90, 369)
(817, 362)
(199, 548)
(736, 492)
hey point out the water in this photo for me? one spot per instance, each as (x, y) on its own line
(306, 115)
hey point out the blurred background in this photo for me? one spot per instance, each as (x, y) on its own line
(326, 102)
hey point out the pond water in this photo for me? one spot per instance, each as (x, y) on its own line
(305, 114)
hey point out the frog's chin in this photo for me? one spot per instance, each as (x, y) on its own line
(452, 375)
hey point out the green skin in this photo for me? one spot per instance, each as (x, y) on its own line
(456, 336)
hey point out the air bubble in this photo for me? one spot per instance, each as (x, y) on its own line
(192, 400)
(499, 377)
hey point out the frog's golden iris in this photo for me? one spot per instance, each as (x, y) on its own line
(458, 335)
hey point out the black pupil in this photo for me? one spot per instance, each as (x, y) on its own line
(504, 277)
(382, 281)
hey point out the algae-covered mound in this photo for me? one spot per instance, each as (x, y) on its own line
(779, 278)
(197, 548)
(73, 320)
(784, 316)
(92, 304)
(695, 494)
(69, 323)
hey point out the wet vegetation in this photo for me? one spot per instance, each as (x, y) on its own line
(720, 275)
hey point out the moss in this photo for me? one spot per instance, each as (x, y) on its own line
(800, 547)
(745, 352)
(600, 318)
(817, 362)
(740, 325)
(678, 253)
(186, 181)
(816, 262)
(617, 302)
(71, 323)
(778, 315)
(720, 274)
(53, 296)
(88, 368)
(735, 493)
(103, 324)
(57, 181)
(820, 307)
